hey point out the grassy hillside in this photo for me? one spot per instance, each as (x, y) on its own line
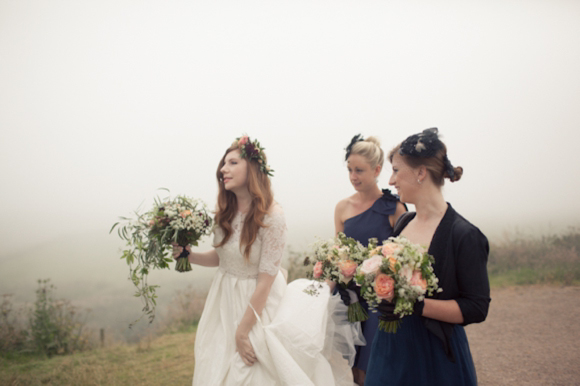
(165, 360)
(169, 358)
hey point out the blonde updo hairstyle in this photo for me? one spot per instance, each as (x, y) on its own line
(370, 149)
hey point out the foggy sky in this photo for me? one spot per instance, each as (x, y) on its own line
(102, 103)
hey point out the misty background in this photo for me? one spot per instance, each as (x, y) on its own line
(103, 103)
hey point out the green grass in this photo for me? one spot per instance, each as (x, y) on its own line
(167, 359)
(524, 260)
(559, 275)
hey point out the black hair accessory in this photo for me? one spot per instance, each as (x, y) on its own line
(355, 139)
(424, 145)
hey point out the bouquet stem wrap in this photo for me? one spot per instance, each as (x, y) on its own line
(356, 312)
(182, 264)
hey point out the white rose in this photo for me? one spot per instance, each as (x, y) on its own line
(372, 265)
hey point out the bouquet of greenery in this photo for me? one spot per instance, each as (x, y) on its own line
(399, 272)
(150, 237)
(337, 260)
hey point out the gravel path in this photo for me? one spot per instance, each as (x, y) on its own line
(531, 337)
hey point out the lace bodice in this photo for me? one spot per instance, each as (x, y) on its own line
(267, 250)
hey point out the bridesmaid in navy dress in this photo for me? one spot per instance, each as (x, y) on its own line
(368, 213)
(430, 347)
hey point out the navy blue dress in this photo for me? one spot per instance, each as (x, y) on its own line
(425, 351)
(374, 222)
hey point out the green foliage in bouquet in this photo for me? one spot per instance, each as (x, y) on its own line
(150, 237)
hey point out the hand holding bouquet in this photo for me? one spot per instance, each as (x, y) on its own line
(150, 238)
(399, 272)
(182, 221)
(337, 260)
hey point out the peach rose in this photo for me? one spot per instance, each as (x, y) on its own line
(185, 213)
(317, 269)
(243, 140)
(385, 287)
(347, 269)
(389, 249)
(418, 281)
(372, 265)
(392, 261)
(375, 251)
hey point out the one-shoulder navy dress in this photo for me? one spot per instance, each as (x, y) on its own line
(372, 223)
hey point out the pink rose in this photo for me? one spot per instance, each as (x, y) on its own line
(185, 213)
(389, 249)
(372, 265)
(385, 287)
(243, 140)
(418, 281)
(317, 269)
(348, 269)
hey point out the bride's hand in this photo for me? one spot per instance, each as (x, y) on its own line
(177, 249)
(245, 349)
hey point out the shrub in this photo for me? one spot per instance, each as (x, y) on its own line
(533, 260)
(56, 326)
(13, 334)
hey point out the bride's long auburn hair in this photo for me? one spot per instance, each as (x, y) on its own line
(227, 204)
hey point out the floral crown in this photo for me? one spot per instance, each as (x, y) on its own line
(252, 150)
(426, 145)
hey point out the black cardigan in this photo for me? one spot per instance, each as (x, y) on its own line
(460, 251)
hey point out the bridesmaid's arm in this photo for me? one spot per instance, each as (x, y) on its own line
(338, 213)
(398, 212)
(443, 310)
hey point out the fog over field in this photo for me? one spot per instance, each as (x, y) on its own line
(103, 103)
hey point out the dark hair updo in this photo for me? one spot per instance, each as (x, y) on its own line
(426, 149)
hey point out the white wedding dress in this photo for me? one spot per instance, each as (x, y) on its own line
(299, 339)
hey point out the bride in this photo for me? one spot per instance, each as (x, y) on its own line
(255, 329)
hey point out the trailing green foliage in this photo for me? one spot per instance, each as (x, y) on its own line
(149, 241)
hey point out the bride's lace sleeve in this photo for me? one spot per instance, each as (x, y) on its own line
(273, 242)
